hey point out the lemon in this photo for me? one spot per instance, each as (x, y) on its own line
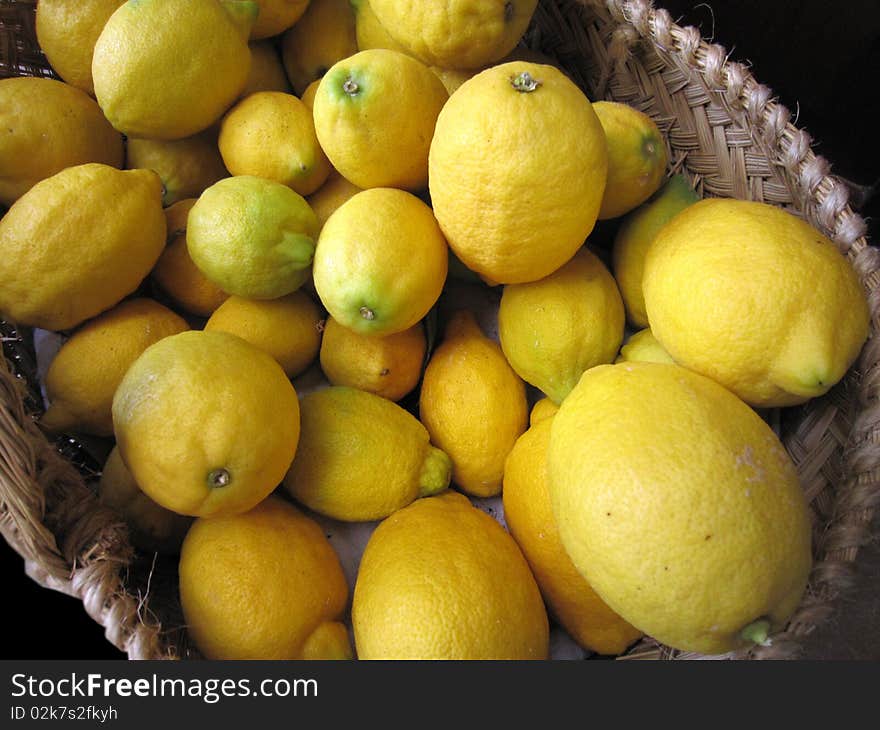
(267, 72)
(175, 273)
(381, 262)
(287, 328)
(361, 457)
(452, 78)
(542, 410)
(271, 134)
(252, 237)
(473, 405)
(308, 96)
(207, 423)
(456, 34)
(440, 579)
(374, 114)
(634, 236)
(165, 71)
(529, 518)
(636, 157)
(324, 35)
(78, 242)
(369, 31)
(265, 584)
(517, 170)
(151, 527)
(642, 346)
(67, 31)
(333, 193)
(554, 329)
(84, 375)
(716, 552)
(276, 16)
(186, 166)
(48, 127)
(387, 366)
(756, 299)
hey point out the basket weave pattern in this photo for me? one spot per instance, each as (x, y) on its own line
(724, 131)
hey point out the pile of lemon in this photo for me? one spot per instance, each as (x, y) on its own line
(322, 262)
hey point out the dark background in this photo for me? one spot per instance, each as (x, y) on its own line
(821, 60)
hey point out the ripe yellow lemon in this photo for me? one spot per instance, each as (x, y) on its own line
(755, 298)
(529, 517)
(271, 134)
(381, 262)
(440, 579)
(265, 584)
(267, 72)
(716, 552)
(48, 127)
(456, 35)
(333, 193)
(288, 328)
(634, 236)
(517, 170)
(308, 96)
(77, 243)
(84, 375)
(554, 329)
(361, 457)
(473, 405)
(375, 113)
(276, 16)
(642, 346)
(542, 410)
(387, 366)
(207, 423)
(252, 237)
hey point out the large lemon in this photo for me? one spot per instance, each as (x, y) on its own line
(679, 505)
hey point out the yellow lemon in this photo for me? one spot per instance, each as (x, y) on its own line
(265, 584)
(78, 242)
(324, 35)
(287, 328)
(388, 366)
(151, 527)
(84, 375)
(554, 329)
(542, 410)
(642, 346)
(186, 166)
(381, 262)
(369, 31)
(207, 423)
(440, 579)
(166, 70)
(175, 273)
(473, 405)
(529, 517)
(271, 134)
(517, 170)
(468, 34)
(713, 555)
(308, 96)
(756, 299)
(252, 237)
(48, 127)
(67, 31)
(333, 193)
(636, 157)
(361, 457)
(452, 78)
(267, 72)
(375, 113)
(634, 236)
(276, 16)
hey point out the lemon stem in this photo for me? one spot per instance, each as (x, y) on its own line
(368, 314)
(436, 472)
(219, 478)
(757, 632)
(524, 82)
(350, 86)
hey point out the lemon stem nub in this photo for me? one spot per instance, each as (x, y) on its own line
(757, 632)
(436, 472)
(368, 314)
(524, 83)
(219, 478)
(350, 86)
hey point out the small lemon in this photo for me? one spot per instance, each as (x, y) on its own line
(252, 237)
(265, 584)
(473, 405)
(440, 579)
(175, 273)
(276, 16)
(634, 236)
(207, 423)
(271, 134)
(308, 96)
(375, 113)
(287, 328)
(370, 32)
(333, 193)
(381, 262)
(77, 243)
(554, 329)
(542, 410)
(388, 366)
(755, 298)
(267, 72)
(87, 370)
(642, 346)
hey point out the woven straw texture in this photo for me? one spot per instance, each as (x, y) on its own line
(724, 131)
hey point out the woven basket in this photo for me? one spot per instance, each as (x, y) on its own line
(724, 131)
